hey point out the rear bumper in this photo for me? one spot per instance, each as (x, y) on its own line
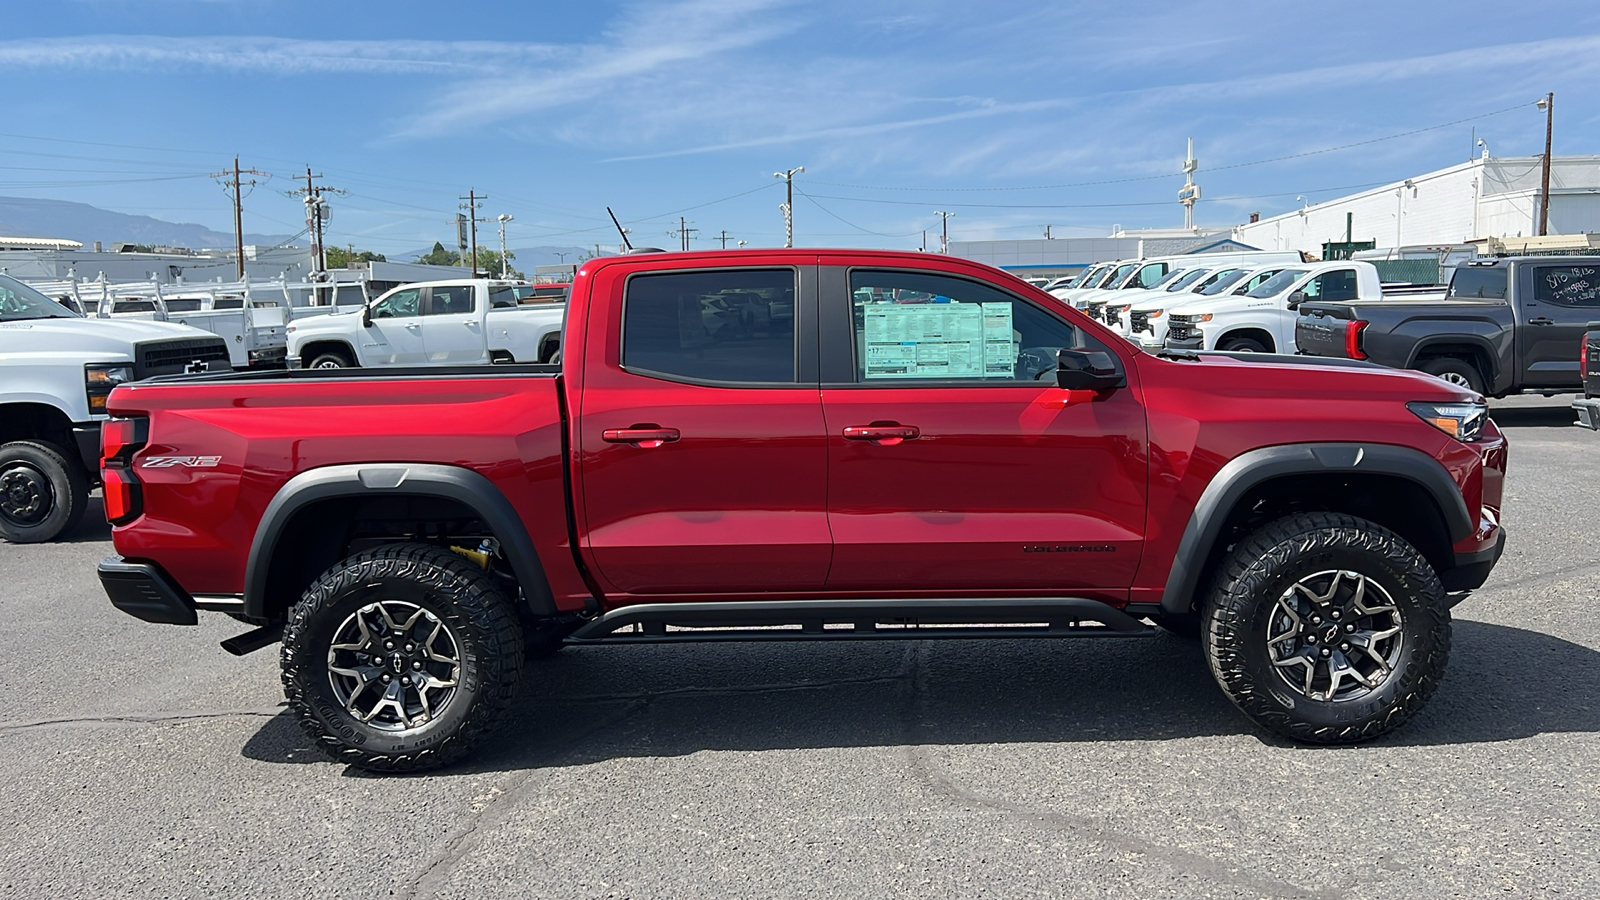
(145, 592)
(1588, 410)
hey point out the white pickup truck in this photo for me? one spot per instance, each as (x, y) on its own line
(436, 323)
(1263, 320)
(56, 370)
(251, 326)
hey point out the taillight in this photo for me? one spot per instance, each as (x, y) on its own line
(119, 440)
(1583, 353)
(1352, 339)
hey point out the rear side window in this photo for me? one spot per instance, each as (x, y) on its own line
(1478, 283)
(734, 326)
(447, 300)
(1567, 285)
(1340, 284)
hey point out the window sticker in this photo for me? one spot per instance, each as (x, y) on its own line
(939, 340)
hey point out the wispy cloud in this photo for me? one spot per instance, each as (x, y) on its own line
(270, 55)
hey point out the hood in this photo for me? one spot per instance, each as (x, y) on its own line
(90, 336)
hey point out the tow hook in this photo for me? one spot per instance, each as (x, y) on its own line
(251, 641)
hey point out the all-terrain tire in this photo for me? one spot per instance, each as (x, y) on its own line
(42, 493)
(481, 630)
(1299, 549)
(1458, 372)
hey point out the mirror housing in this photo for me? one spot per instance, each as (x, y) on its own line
(1088, 370)
(366, 317)
(1297, 298)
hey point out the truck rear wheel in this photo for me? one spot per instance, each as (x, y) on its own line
(1458, 372)
(41, 493)
(401, 658)
(1327, 628)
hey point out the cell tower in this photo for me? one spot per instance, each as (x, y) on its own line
(1191, 191)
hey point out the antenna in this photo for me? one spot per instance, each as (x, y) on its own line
(620, 230)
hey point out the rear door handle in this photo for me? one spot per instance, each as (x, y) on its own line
(886, 435)
(647, 438)
(1541, 321)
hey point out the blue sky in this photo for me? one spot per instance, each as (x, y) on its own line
(1010, 115)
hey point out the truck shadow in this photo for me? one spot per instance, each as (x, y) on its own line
(596, 704)
(92, 527)
(1533, 416)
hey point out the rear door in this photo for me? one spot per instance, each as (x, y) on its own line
(452, 325)
(702, 452)
(955, 462)
(1557, 301)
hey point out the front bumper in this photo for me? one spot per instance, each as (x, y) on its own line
(1472, 569)
(1588, 410)
(145, 592)
(1195, 343)
(86, 436)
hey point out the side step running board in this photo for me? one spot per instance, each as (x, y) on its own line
(805, 620)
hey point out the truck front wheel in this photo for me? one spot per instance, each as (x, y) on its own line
(1327, 628)
(331, 359)
(41, 493)
(401, 658)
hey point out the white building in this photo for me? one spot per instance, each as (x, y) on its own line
(1488, 197)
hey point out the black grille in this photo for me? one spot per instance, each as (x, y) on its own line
(1113, 316)
(176, 357)
(1139, 320)
(1181, 329)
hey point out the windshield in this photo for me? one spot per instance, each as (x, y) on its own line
(1118, 275)
(1088, 277)
(18, 303)
(1186, 279)
(1220, 282)
(1277, 284)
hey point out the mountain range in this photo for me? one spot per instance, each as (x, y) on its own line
(32, 217)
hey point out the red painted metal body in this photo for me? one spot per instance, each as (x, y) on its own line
(694, 492)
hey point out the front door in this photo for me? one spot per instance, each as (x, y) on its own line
(395, 336)
(703, 461)
(1556, 307)
(955, 462)
(452, 326)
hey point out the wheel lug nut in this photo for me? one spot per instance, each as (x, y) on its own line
(1350, 627)
(386, 678)
(1344, 646)
(1326, 652)
(416, 664)
(1335, 614)
(405, 679)
(388, 645)
(1311, 639)
(410, 648)
(1316, 620)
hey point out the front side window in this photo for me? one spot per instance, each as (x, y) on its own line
(1567, 285)
(1340, 284)
(1184, 281)
(918, 327)
(399, 305)
(1119, 275)
(1277, 284)
(1219, 282)
(731, 326)
(1149, 276)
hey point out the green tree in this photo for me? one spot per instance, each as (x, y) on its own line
(341, 258)
(439, 256)
(489, 263)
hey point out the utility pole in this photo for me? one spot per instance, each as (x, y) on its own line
(317, 215)
(788, 205)
(1548, 104)
(683, 233)
(724, 238)
(1047, 232)
(238, 208)
(944, 230)
(504, 263)
(473, 204)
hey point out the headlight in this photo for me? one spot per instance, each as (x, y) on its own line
(98, 380)
(1155, 313)
(1203, 317)
(1462, 421)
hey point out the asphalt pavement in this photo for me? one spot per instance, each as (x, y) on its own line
(141, 760)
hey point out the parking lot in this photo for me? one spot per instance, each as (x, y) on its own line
(141, 760)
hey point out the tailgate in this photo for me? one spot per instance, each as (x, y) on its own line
(1321, 328)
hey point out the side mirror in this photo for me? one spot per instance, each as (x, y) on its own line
(366, 317)
(1297, 298)
(1093, 370)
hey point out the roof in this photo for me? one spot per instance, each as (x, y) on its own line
(33, 243)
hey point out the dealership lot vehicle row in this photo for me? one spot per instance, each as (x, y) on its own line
(142, 761)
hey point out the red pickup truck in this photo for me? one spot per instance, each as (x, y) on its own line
(806, 445)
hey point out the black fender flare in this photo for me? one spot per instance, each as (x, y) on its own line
(397, 479)
(1251, 468)
(1473, 341)
(339, 342)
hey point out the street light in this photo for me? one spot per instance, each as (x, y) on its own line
(1548, 105)
(1304, 203)
(503, 219)
(788, 206)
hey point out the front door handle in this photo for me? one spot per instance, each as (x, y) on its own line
(883, 434)
(413, 325)
(1541, 321)
(645, 437)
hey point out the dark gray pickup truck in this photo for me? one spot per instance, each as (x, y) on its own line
(1588, 407)
(1506, 325)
